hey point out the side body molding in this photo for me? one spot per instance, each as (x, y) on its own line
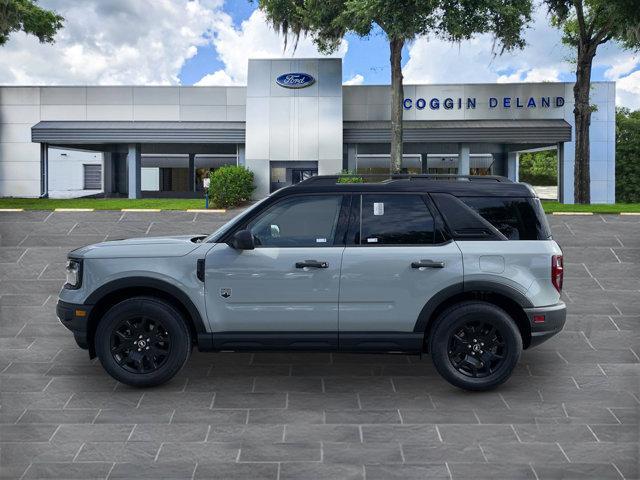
(463, 287)
(148, 282)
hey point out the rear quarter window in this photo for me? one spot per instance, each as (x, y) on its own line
(515, 217)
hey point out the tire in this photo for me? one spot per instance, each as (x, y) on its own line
(468, 353)
(143, 341)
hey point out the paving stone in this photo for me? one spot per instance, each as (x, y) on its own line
(157, 470)
(285, 416)
(477, 433)
(84, 471)
(324, 433)
(399, 433)
(230, 471)
(361, 453)
(362, 416)
(490, 471)
(52, 416)
(198, 452)
(210, 416)
(281, 452)
(92, 433)
(249, 400)
(168, 433)
(120, 452)
(406, 472)
(575, 471)
(436, 451)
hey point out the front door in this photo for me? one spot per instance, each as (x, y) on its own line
(393, 264)
(284, 293)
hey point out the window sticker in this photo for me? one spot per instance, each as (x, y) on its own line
(378, 208)
(321, 240)
(372, 240)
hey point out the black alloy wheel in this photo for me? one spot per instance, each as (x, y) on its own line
(475, 345)
(140, 344)
(477, 349)
(143, 341)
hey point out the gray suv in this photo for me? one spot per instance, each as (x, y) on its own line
(463, 268)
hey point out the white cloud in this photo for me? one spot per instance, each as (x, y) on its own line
(628, 91)
(545, 58)
(531, 75)
(436, 61)
(357, 79)
(114, 42)
(253, 39)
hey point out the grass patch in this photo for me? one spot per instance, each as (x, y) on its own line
(550, 207)
(102, 203)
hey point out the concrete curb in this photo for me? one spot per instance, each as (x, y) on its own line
(572, 213)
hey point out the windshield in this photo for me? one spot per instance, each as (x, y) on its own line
(214, 237)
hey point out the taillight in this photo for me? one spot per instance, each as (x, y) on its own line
(557, 272)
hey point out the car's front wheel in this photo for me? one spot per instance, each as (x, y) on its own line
(143, 341)
(475, 345)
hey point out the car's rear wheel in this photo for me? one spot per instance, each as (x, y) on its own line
(143, 341)
(475, 345)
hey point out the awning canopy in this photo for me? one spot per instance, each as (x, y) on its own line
(137, 132)
(437, 131)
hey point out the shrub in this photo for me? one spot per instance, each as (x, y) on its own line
(627, 156)
(349, 179)
(230, 186)
(539, 168)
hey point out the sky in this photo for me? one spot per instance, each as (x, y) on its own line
(208, 42)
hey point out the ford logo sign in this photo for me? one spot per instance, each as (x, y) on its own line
(295, 80)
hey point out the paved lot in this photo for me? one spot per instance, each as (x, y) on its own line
(570, 411)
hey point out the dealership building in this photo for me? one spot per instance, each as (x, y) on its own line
(294, 119)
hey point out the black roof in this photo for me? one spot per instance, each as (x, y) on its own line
(471, 186)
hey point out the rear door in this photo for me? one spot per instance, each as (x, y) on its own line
(394, 262)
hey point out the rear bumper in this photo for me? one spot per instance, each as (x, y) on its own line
(546, 322)
(74, 317)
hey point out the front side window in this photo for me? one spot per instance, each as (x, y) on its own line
(395, 220)
(299, 221)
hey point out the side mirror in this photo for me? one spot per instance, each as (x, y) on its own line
(243, 240)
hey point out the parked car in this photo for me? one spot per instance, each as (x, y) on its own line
(463, 268)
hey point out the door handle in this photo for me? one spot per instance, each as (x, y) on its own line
(427, 264)
(312, 264)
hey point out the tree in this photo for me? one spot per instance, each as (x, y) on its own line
(328, 21)
(627, 155)
(28, 17)
(587, 24)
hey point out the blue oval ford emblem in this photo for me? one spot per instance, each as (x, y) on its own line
(295, 80)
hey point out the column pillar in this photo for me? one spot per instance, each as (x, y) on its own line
(512, 165)
(192, 172)
(133, 170)
(464, 152)
(561, 176)
(44, 170)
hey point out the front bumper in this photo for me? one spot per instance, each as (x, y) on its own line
(546, 322)
(75, 317)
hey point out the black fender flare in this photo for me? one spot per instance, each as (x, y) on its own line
(456, 289)
(155, 284)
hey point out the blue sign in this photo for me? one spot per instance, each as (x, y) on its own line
(469, 103)
(295, 80)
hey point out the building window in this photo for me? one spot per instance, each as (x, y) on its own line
(92, 177)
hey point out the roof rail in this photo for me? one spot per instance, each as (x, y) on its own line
(332, 179)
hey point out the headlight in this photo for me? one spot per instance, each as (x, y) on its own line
(74, 273)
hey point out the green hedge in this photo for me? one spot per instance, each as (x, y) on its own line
(627, 156)
(230, 186)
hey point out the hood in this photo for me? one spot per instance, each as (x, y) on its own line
(175, 246)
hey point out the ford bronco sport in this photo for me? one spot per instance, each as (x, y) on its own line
(464, 268)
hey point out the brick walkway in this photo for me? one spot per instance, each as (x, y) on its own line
(571, 409)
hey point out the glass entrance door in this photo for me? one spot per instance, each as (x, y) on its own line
(300, 174)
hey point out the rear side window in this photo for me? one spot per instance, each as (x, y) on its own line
(516, 218)
(395, 220)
